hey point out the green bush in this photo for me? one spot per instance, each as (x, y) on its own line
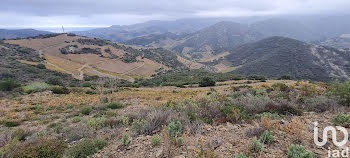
(206, 82)
(35, 87)
(125, 139)
(266, 137)
(341, 90)
(91, 92)
(8, 85)
(155, 140)
(174, 129)
(11, 123)
(86, 84)
(86, 110)
(255, 146)
(280, 86)
(138, 126)
(97, 123)
(40, 148)
(55, 81)
(86, 148)
(60, 90)
(234, 113)
(241, 155)
(115, 105)
(273, 116)
(342, 120)
(40, 66)
(298, 151)
(76, 119)
(20, 134)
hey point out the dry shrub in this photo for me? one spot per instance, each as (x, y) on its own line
(254, 132)
(269, 124)
(148, 120)
(296, 129)
(322, 104)
(253, 104)
(208, 108)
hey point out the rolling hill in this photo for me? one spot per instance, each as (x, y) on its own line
(220, 35)
(276, 56)
(342, 41)
(119, 33)
(21, 33)
(79, 56)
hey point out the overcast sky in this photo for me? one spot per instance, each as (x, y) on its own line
(99, 13)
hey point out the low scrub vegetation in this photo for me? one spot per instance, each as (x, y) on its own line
(298, 151)
(86, 148)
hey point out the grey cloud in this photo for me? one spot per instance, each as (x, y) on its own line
(108, 12)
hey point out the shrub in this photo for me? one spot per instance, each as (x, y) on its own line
(241, 155)
(86, 110)
(35, 87)
(206, 82)
(91, 92)
(20, 134)
(77, 132)
(341, 90)
(255, 146)
(8, 85)
(87, 84)
(322, 103)
(342, 120)
(285, 77)
(40, 66)
(115, 105)
(97, 123)
(60, 90)
(270, 115)
(11, 123)
(234, 113)
(266, 137)
(280, 86)
(138, 126)
(125, 139)
(86, 148)
(76, 119)
(55, 81)
(298, 151)
(155, 140)
(40, 148)
(174, 129)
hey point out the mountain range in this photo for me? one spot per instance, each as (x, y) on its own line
(21, 33)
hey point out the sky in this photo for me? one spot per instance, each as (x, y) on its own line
(103, 13)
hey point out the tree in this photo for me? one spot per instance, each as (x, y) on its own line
(206, 82)
(8, 85)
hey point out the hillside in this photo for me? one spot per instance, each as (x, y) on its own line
(21, 33)
(13, 65)
(220, 35)
(119, 33)
(81, 56)
(276, 56)
(342, 41)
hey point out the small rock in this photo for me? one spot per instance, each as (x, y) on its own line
(191, 147)
(159, 152)
(180, 156)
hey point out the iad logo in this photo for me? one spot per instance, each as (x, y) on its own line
(340, 144)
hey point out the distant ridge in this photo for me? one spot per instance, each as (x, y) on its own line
(21, 33)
